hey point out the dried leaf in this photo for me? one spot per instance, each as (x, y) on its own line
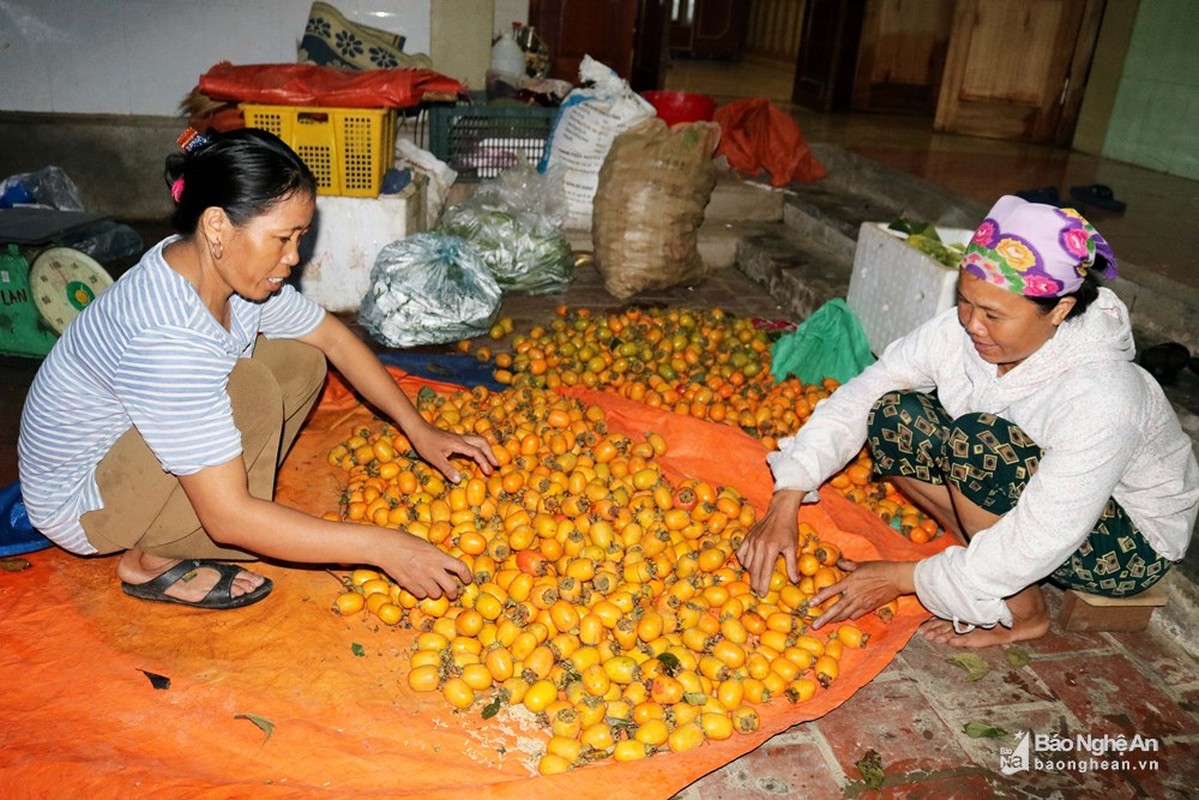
(670, 663)
(981, 730)
(1017, 656)
(161, 682)
(493, 708)
(974, 665)
(265, 724)
(871, 768)
(14, 564)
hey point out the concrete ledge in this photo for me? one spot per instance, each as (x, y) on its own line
(116, 160)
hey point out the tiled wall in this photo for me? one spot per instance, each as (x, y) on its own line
(144, 56)
(1155, 120)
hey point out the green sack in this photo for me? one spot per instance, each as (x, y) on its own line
(828, 344)
(22, 331)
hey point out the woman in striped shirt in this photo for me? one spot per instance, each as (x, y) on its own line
(155, 426)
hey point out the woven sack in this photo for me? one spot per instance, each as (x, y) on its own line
(653, 187)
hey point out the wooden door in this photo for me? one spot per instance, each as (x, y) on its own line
(901, 59)
(650, 45)
(719, 28)
(828, 49)
(602, 29)
(1016, 68)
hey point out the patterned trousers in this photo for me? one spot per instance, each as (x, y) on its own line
(990, 461)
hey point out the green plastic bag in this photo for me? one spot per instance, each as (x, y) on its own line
(828, 344)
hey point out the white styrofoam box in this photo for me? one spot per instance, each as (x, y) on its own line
(347, 234)
(895, 288)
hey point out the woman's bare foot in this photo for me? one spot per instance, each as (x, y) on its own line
(1030, 620)
(136, 566)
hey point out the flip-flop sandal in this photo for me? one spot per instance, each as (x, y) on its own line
(1048, 195)
(1164, 361)
(220, 596)
(1098, 195)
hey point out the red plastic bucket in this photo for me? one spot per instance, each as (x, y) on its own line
(675, 107)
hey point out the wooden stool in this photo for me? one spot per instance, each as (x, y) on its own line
(1088, 612)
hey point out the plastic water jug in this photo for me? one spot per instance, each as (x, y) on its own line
(507, 58)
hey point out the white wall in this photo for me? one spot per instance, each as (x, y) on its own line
(144, 56)
(509, 11)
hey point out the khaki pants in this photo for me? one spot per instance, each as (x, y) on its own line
(146, 507)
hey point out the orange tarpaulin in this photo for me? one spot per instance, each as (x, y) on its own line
(79, 711)
(757, 136)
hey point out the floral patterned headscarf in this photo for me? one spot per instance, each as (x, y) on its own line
(1035, 250)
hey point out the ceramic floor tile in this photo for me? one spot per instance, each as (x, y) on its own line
(1060, 780)
(893, 719)
(791, 764)
(1171, 772)
(1157, 655)
(945, 683)
(953, 785)
(1111, 695)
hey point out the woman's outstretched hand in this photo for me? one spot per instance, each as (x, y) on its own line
(436, 446)
(775, 533)
(865, 587)
(423, 568)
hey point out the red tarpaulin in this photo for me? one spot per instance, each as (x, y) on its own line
(314, 85)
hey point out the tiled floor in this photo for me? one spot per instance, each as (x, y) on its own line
(913, 714)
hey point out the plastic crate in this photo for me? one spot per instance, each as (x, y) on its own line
(348, 149)
(480, 140)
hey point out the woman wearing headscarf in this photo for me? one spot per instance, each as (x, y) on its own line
(1020, 422)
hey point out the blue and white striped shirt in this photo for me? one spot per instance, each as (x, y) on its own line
(146, 353)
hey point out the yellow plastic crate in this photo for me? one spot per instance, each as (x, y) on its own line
(348, 149)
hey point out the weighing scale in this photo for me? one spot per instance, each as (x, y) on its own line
(43, 287)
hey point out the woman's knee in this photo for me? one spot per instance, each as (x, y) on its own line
(299, 369)
(255, 396)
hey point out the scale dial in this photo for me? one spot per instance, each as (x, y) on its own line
(63, 281)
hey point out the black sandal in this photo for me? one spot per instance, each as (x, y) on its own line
(220, 596)
(1098, 195)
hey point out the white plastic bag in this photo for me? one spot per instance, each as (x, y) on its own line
(515, 221)
(587, 122)
(430, 288)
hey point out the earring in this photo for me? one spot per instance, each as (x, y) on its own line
(217, 250)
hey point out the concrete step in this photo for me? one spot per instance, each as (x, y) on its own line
(735, 200)
(800, 271)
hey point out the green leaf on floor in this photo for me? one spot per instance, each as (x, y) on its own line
(871, 768)
(972, 663)
(981, 730)
(493, 708)
(357, 649)
(1017, 656)
(263, 723)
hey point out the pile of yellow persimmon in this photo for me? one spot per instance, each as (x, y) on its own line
(701, 363)
(606, 597)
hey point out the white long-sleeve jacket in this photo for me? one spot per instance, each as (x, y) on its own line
(1105, 426)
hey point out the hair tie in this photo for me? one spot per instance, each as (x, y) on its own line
(177, 189)
(190, 140)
